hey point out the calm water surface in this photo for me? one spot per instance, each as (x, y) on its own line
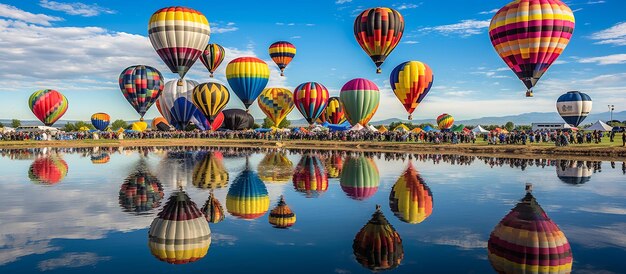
(143, 210)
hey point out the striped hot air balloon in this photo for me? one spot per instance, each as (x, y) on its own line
(573, 172)
(282, 52)
(378, 31)
(527, 241)
(310, 177)
(141, 191)
(213, 210)
(48, 170)
(275, 168)
(276, 103)
(212, 57)
(210, 99)
(100, 120)
(360, 98)
(445, 121)
(334, 113)
(180, 234)
(529, 35)
(310, 99)
(179, 35)
(177, 99)
(411, 81)
(247, 77)
(247, 197)
(378, 245)
(411, 199)
(210, 172)
(141, 86)
(48, 105)
(282, 216)
(574, 106)
(101, 158)
(359, 177)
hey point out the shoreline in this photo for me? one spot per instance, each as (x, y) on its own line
(546, 150)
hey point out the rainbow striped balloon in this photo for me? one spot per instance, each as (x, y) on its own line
(48, 105)
(100, 120)
(247, 197)
(310, 176)
(411, 81)
(378, 31)
(212, 57)
(247, 77)
(282, 52)
(311, 99)
(276, 103)
(360, 98)
(445, 121)
(529, 35)
(411, 199)
(282, 216)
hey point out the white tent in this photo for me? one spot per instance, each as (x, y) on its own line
(601, 126)
(356, 127)
(479, 129)
(372, 128)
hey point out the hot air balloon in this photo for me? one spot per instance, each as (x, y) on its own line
(527, 241)
(282, 216)
(160, 123)
(164, 111)
(529, 35)
(101, 158)
(411, 82)
(212, 210)
(48, 170)
(179, 35)
(247, 77)
(574, 106)
(237, 119)
(310, 99)
(445, 121)
(310, 177)
(177, 98)
(212, 57)
(141, 86)
(282, 52)
(180, 234)
(573, 172)
(139, 126)
(141, 191)
(333, 165)
(360, 98)
(359, 177)
(334, 112)
(210, 172)
(275, 168)
(378, 31)
(276, 103)
(202, 123)
(210, 99)
(247, 197)
(411, 199)
(48, 105)
(378, 245)
(100, 120)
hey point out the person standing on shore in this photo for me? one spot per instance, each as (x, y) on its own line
(624, 139)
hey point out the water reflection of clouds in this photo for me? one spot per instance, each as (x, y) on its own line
(72, 260)
(604, 209)
(613, 235)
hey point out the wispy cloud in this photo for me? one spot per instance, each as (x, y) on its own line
(464, 28)
(339, 2)
(228, 27)
(11, 12)
(613, 59)
(296, 37)
(406, 6)
(71, 260)
(410, 42)
(489, 11)
(76, 8)
(615, 35)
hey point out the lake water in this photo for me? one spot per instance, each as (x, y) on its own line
(111, 210)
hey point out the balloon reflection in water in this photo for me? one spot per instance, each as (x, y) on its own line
(573, 172)
(282, 216)
(210, 171)
(101, 158)
(213, 210)
(141, 191)
(411, 199)
(179, 234)
(247, 196)
(333, 165)
(177, 168)
(527, 241)
(359, 178)
(275, 167)
(310, 176)
(48, 170)
(378, 246)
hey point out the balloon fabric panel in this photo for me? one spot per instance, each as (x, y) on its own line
(48, 105)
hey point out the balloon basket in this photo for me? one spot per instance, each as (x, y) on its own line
(180, 82)
(379, 70)
(529, 94)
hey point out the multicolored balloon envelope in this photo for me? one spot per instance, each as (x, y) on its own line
(247, 77)
(282, 216)
(213, 210)
(333, 165)
(179, 35)
(177, 99)
(202, 123)
(282, 52)
(141, 86)
(411, 81)
(210, 172)
(359, 177)
(275, 167)
(101, 158)
(360, 98)
(527, 241)
(210, 99)
(310, 99)
(378, 31)
(160, 123)
(574, 106)
(310, 177)
(445, 121)
(48, 105)
(247, 197)
(573, 172)
(529, 35)
(378, 245)
(141, 191)
(276, 103)
(180, 234)
(237, 119)
(48, 170)
(100, 120)
(334, 113)
(212, 57)
(411, 199)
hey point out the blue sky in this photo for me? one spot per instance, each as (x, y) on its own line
(79, 48)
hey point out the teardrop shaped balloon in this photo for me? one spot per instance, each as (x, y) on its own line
(360, 98)
(48, 105)
(378, 245)
(529, 35)
(100, 120)
(574, 106)
(213, 210)
(310, 99)
(378, 31)
(282, 52)
(410, 198)
(212, 57)
(210, 98)
(141, 86)
(179, 35)
(276, 103)
(411, 81)
(335, 112)
(445, 121)
(247, 77)
(177, 98)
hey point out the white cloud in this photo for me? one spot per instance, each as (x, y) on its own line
(228, 27)
(489, 12)
(339, 2)
(296, 37)
(76, 8)
(605, 60)
(405, 6)
(605, 209)
(615, 35)
(11, 12)
(598, 237)
(72, 260)
(410, 42)
(464, 28)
